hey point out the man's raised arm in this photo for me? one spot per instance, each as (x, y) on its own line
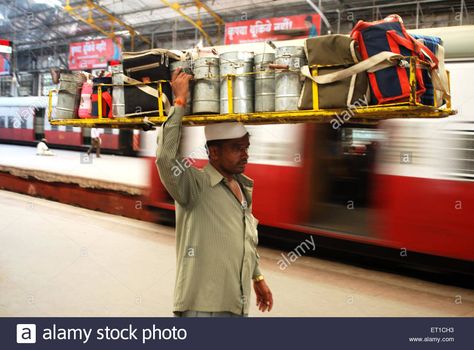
(183, 185)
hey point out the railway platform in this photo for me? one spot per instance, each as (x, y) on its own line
(112, 184)
(57, 261)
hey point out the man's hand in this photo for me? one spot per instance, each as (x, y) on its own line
(264, 296)
(180, 84)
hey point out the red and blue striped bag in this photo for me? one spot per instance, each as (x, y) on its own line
(435, 44)
(392, 84)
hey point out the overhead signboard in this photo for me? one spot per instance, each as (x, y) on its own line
(278, 28)
(5, 57)
(93, 54)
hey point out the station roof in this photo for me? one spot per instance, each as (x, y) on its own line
(44, 22)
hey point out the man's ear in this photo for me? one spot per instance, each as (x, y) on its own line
(213, 153)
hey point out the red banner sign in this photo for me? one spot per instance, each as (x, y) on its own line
(93, 54)
(279, 28)
(5, 57)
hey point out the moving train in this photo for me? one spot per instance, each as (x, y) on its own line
(406, 186)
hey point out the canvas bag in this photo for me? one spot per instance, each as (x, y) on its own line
(340, 52)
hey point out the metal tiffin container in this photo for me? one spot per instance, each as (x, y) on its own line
(264, 82)
(185, 66)
(69, 95)
(118, 96)
(238, 65)
(288, 82)
(206, 85)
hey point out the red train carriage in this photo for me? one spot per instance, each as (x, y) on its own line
(24, 120)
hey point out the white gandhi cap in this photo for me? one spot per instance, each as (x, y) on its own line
(224, 131)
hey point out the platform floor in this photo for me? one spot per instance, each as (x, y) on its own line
(59, 260)
(129, 174)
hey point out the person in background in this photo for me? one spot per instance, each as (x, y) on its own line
(4, 64)
(96, 141)
(42, 148)
(313, 31)
(216, 233)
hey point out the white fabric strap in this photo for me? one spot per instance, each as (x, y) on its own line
(353, 52)
(375, 63)
(440, 76)
(350, 93)
(150, 91)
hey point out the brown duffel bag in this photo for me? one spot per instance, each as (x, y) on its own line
(337, 52)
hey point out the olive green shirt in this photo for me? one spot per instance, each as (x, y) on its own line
(216, 235)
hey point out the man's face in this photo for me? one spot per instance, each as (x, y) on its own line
(232, 155)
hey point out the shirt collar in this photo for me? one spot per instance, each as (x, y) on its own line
(217, 177)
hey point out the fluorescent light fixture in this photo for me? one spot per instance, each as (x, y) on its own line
(122, 32)
(52, 3)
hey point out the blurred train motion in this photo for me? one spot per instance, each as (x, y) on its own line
(402, 184)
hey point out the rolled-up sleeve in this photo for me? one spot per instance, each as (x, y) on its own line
(184, 183)
(256, 271)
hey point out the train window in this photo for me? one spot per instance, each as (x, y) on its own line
(5, 86)
(359, 140)
(23, 123)
(69, 128)
(460, 155)
(39, 123)
(276, 144)
(25, 84)
(107, 131)
(11, 122)
(3, 123)
(54, 128)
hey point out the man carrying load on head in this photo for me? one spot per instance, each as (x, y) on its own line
(216, 233)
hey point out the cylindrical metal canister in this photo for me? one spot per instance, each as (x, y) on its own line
(264, 83)
(118, 97)
(288, 83)
(69, 95)
(238, 63)
(206, 85)
(184, 65)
